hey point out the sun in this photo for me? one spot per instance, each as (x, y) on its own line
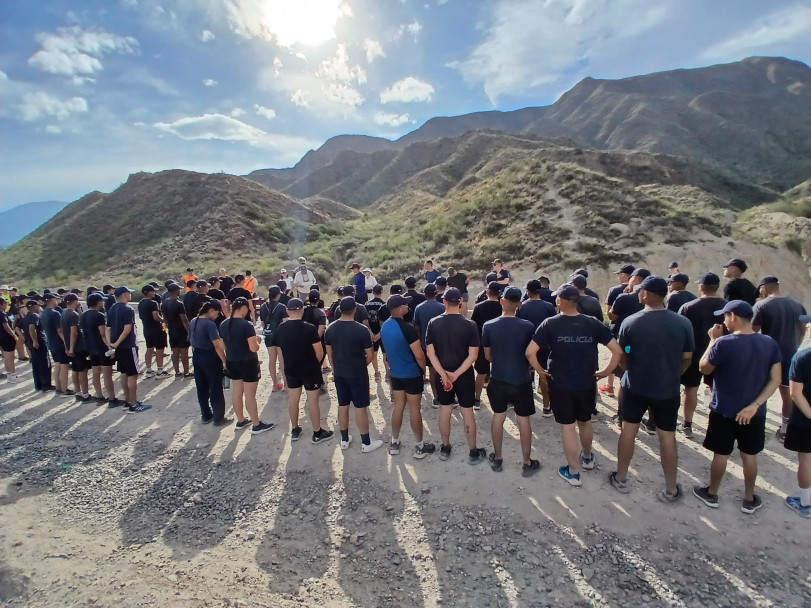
(302, 22)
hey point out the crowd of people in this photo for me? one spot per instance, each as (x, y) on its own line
(516, 345)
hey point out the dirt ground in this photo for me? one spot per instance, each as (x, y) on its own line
(102, 508)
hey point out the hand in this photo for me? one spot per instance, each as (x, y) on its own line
(746, 414)
(603, 373)
(258, 340)
(716, 331)
(451, 376)
(35, 344)
(69, 353)
(543, 374)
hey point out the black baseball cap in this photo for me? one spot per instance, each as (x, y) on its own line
(513, 294)
(274, 291)
(582, 272)
(768, 281)
(349, 290)
(569, 292)
(641, 272)
(202, 283)
(396, 288)
(94, 298)
(494, 286)
(410, 282)
(71, 297)
(295, 304)
(579, 281)
(709, 278)
(377, 289)
(738, 263)
(49, 296)
(679, 278)
(76, 290)
(397, 300)
(491, 276)
(441, 281)
(452, 295)
(429, 290)
(534, 286)
(737, 307)
(121, 290)
(655, 285)
(146, 289)
(314, 295)
(61, 291)
(347, 303)
(213, 280)
(31, 303)
(173, 287)
(626, 269)
(209, 305)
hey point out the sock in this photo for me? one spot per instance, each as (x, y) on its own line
(160, 368)
(474, 452)
(420, 444)
(149, 368)
(364, 437)
(805, 497)
(688, 423)
(344, 434)
(395, 439)
(784, 426)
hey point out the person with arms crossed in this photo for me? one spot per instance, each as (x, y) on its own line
(154, 336)
(208, 355)
(746, 372)
(93, 325)
(503, 275)
(798, 432)
(226, 282)
(122, 338)
(76, 349)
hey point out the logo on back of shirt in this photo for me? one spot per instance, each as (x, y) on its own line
(576, 339)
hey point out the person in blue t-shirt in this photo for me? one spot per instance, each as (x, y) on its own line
(122, 337)
(359, 283)
(798, 431)
(431, 274)
(407, 367)
(746, 372)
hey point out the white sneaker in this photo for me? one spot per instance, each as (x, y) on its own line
(15, 378)
(373, 445)
(345, 444)
(149, 373)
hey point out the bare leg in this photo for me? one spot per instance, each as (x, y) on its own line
(85, 390)
(343, 417)
(97, 381)
(749, 474)
(126, 388)
(571, 446)
(375, 363)
(362, 420)
(159, 357)
(586, 436)
(76, 384)
(109, 385)
(132, 385)
(525, 433)
(415, 415)
(314, 409)
(481, 380)
(150, 353)
(237, 390)
(690, 402)
(804, 469)
(445, 412)
(8, 361)
(184, 359)
(249, 389)
(432, 380)
(788, 406)
(496, 430)
(176, 359)
(293, 398)
(625, 449)
(399, 402)
(669, 456)
(274, 378)
(470, 426)
(717, 470)
(543, 388)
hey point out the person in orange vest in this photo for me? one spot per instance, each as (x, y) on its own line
(190, 276)
(250, 282)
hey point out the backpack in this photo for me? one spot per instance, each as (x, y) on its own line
(270, 318)
(308, 316)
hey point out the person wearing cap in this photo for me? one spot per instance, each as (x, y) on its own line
(536, 311)
(570, 365)
(226, 282)
(401, 341)
(701, 314)
(314, 314)
(359, 283)
(452, 343)
(798, 431)
(746, 368)
(431, 273)
(411, 292)
(369, 280)
(739, 288)
(154, 336)
(4, 293)
(658, 346)
(8, 344)
(288, 281)
(239, 291)
(504, 341)
(302, 350)
(778, 316)
(109, 297)
(673, 268)
(441, 285)
(503, 275)
(75, 346)
(361, 314)
(333, 314)
(37, 347)
(586, 304)
(123, 339)
(272, 314)
(624, 275)
(177, 328)
(678, 295)
(483, 295)
(349, 347)
(201, 288)
(547, 294)
(460, 281)
(429, 308)
(51, 323)
(216, 293)
(588, 291)
(208, 356)
(93, 326)
(189, 277)
(304, 279)
(482, 313)
(190, 298)
(373, 309)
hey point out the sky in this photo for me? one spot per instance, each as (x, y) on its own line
(93, 91)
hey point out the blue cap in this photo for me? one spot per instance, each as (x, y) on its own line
(513, 294)
(655, 285)
(679, 278)
(641, 272)
(396, 301)
(452, 295)
(582, 272)
(491, 276)
(568, 292)
(295, 304)
(429, 290)
(626, 269)
(441, 281)
(122, 289)
(709, 278)
(738, 308)
(579, 281)
(348, 303)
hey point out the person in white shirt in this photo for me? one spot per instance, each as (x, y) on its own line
(304, 279)
(370, 280)
(285, 276)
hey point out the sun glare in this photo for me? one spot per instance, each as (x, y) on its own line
(306, 22)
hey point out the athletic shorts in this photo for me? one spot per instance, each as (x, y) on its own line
(247, 370)
(310, 383)
(80, 362)
(665, 412)
(268, 341)
(354, 390)
(100, 360)
(59, 355)
(412, 386)
(723, 432)
(482, 365)
(126, 360)
(7, 343)
(155, 339)
(463, 390)
(691, 378)
(376, 345)
(570, 406)
(798, 438)
(179, 338)
(503, 394)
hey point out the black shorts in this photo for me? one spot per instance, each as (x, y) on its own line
(80, 362)
(59, 356)
(691, 378)
(126, 360)
(7, 344)
(482, 365)
(723, 432)
(376, 345)
(155, 339)
(178, 338)
(464, 390)
(100, 360)
(798, 438)
(412, 386)
(247, 370)
(503, 394)
(570, 406)
(353, 389)
(310, 383)
(665, 412)
(268, 341)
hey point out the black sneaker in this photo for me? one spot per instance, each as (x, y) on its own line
(528, 470)
(178, 375)
(546, 412)
(205, 420)
(111, 403)
(650, 426)
(476, 456)
(322, 435)
(750, 506)
(138, 407)
(243, 425)
(223, 422)
(422, 452)
(262, 427)
(703, 494)
(295, 434)
(444, 452)
(48, 388)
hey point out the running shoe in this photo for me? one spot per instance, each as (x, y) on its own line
(793, 503)
(278, 386)
(150, 373)
(780, 434)
(650, 426)
(444, 452)
(618, 484)
(750, 506)
(703, 494)
(137, 407)
(667, 497)
(528, 470)
(345, 444)
(607, 389)
(573, 479)
(114, 402)
(162, 373)
(477, 456)
(425, 450)
(588, 463)
(243, 425)
(223, 422)
(371, 446)
(322, 435)
(477, 404)
(262, 427)
(687, 429)
(206, 420)
(497, 464)
(394, 448)
(295, 434)
(546, 412)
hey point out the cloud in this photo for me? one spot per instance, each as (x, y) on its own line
(309, 22)
(40, 104)
(343, 94)
(212, 126)
(210, 82)
(299, 98)
(207, 36)
(392, 120)
(414, 28)
(373, 50)
(140, 76)
(72, 51)
(236, 112)
(277, 66)
(53, 129)
(407, 90)
(338, 69)
(268, 113)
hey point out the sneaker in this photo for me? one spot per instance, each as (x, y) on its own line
(793, 503)
(14, 378)
(65, 394)
(780, 434)
(243, 425)
(224, 422)
(666, 497)
(205, 420)
(278, 386)
(48, 388)
(650, 426)
(607, 389)
(345, 444)
(394, 448)
(477, 404)
(187, 375)
(497, 464)
(371, 446)
(588, 463)
(528, 470)
(262, 427)
(3, 376)
(687, 429)
(295, 434)
(137, 407)
(422, 452)
(78, 397)
(476, 457)
(150, 373)
(178, 375)
(162, 373)
(444, 452)
(111, 403)
(99, 400)
(546, 412)
(750, 506)
(595, 416)
(573, 479)
(618, 484)
(434, 404)
(703, 494)
(322, 435)
(617, 420)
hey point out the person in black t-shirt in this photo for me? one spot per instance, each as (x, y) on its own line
(190, 298)
(154, 336)
(239, 291)
(75, 347)
(37, 347)
(177, 325)
(8, 342)
(678, 294)
(482, 313)
(738, 287)
(416, 297)
(587, 304)
(272, 313)
(585, 274)
(93, 323)
(503, 275)
(373, 309)
(460, 281)
(624, 275)
(109, 298)
(215, 292)
(226, 282)
(624, 305)
(489, 279)
(333, 314)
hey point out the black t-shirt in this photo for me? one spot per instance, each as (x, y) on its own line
(800, 371)
(625, 305)
(361, 314)
(216, 294)
(549, 296)
(484, 312)
(198, 304)
(51, 323)
(226, 283)
(701, 314)
(172, 309)
(271, 315)
(614, 292)
(189, 301)
(236, 332)
(238, 292)
(5, 338)
(30, 319)
(91, 323)
(508, 338)
(349, 341)
(145, 309)
(536, 312)
(676, 299)
(481, 297)
(779, 318)
(452, 335)
(296, 339)
(741, 289)
(459, 281)
(109, 300)
(314, 316)
(70, 318)
(373, 309)
(416, 299)
(589, 305)
(121, 315)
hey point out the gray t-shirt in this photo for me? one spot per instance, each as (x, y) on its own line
(653, 341)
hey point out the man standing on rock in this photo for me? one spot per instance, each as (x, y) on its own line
(504, 342)
(678, 294)
(658, 346)
(746, 371)
(122, 337)
(778, 316)
(738, 287)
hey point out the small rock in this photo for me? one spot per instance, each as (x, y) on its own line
(250, 535)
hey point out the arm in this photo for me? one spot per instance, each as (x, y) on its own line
(105, 335)
(796, 389)
(32, 331)
(185, 320)
(74, 337)
(157, 316)
(226, 307)
(321, 329)
(704, 366)
(488, 353)
(8, 330)
(254, 342)
(219, 347)
(437, 365)
(611, 314)
(319, 351)
(329, 354)
(775, 378)
(616, 355)
(532, 356)
(472, 353)
(124, 333)
(370, 354)
(686, 359)
(418, 354)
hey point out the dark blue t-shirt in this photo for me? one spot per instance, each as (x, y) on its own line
(202, 333)
(801, 372)
(423, 314)
(92, 322)
(548, 295)
(614, 293)
(508, 338)
(653, 341)
(779, 318)
(120, 315)
(349, 341)
(432, 275)
(743, 363)
(235, 333)
(52, 322)
(571, 341)
(536, 311)
(676, 299)
(624, 306)
(397, 337)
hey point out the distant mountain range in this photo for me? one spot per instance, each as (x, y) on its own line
(22, 219)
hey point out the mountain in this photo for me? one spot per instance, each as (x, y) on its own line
(22, 219)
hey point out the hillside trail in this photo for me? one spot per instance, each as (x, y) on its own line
(99, 508)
